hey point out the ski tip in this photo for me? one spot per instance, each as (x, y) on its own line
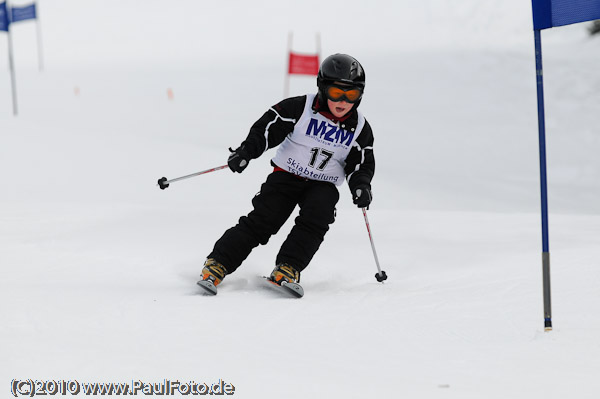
(209, 288)
(293, 289)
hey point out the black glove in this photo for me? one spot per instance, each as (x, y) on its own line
(238, 160)
(362, 196)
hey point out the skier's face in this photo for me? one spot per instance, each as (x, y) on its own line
(339, 108)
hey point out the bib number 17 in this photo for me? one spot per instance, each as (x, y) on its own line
(319, 154)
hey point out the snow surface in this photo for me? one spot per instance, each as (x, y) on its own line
(98, 266)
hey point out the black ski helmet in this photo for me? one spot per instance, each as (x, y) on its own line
(340, 68)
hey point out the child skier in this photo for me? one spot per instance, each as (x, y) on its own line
(322, 139)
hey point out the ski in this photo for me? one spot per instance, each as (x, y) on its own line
(293, 289)
(208, 286)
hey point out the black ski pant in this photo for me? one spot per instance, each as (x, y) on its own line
(273, 205)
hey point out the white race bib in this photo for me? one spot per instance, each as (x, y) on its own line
(317, 148)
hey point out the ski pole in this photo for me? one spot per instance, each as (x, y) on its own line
(164, 183)
(380, 276)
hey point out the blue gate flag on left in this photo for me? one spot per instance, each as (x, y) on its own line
(23, 13)
(3, 17)
(551, 13)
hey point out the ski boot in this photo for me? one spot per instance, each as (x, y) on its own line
(288, 278)
(284, 272)
(212, 275)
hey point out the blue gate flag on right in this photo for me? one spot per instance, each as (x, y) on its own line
(551, 13)
(3, 17)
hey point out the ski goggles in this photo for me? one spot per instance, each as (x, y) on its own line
(337, 93)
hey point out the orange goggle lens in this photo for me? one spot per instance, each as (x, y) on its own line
(335, 93)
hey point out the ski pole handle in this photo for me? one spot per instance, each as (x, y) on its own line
(164, 183)
(381, 275)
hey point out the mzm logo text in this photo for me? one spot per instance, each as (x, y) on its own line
(330, 133)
